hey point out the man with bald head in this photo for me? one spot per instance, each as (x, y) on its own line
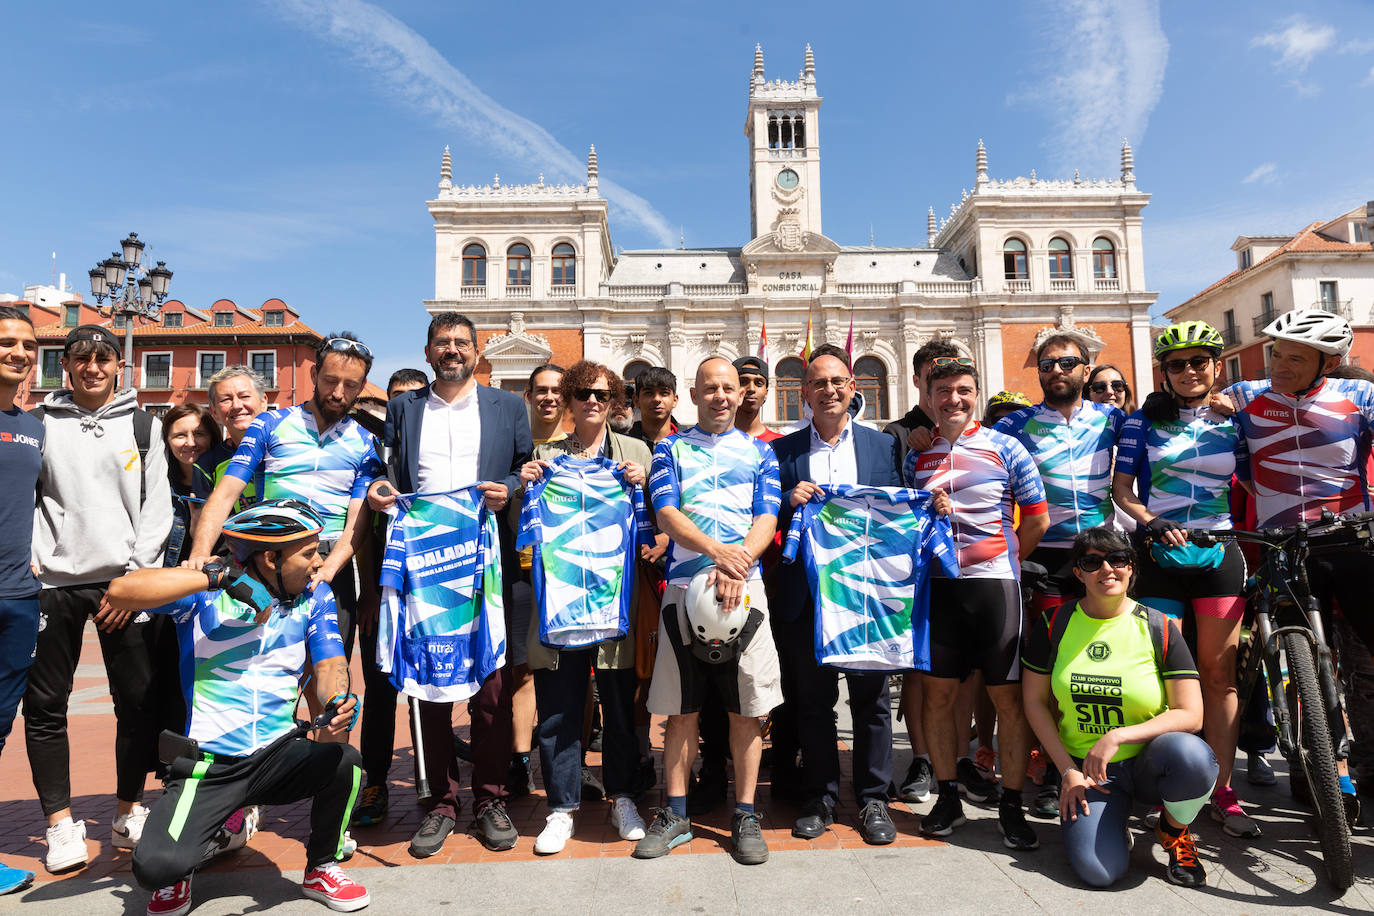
(715, 494)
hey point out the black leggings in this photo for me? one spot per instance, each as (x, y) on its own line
(64, 612)
(200, 795)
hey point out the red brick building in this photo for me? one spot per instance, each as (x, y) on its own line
(176, 355)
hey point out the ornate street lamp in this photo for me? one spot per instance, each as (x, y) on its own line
(133, 290)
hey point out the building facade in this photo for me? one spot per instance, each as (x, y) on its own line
(175, 356)
(534, 267)
(1328, 265)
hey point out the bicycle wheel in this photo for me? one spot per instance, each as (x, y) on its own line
(1319, 763)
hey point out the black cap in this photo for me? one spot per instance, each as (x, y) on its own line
(752, 365)
(92, 332)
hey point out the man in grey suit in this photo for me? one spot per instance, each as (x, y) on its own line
(455, 433)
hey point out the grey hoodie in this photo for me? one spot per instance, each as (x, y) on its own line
(89, 526)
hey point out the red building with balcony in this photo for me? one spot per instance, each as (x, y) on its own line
(175, 356)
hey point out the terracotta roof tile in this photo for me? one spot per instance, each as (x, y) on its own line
(198, 329)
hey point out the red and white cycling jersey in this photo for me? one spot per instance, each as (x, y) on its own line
(1307, 453)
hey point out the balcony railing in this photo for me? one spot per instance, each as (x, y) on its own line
(637, 291)
(713, 290)
(1260, 321)
(517, 292)
(1107, 284)
(562, 291)
(1018, 286)
(1230, 335)
(472, 292)
(868, 289)
(1335, 306)
(158, 380)
(1063, 285)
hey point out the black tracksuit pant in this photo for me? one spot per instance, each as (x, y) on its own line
(201, 793)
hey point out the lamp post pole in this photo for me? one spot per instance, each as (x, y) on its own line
(134, 290)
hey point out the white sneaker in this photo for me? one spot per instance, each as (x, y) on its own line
(66, 845)
(625, 818)
(557, 828)
(128, 828)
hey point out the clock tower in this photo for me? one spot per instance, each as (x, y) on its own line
(783, 128)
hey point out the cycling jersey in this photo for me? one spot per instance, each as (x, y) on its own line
(286, 457)
(241, 679)
(1106, 674)
(869, 552)
(1182, 469)
(442, 629)
(720, 482)
(986, 474)
(1074, 457)
(1305, 453)
(586, 523)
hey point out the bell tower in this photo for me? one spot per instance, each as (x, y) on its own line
(783, 128)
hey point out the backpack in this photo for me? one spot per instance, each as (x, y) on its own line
(1158, 622)
(143, 438)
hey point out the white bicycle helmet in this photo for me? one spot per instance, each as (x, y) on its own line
(712, 627)
(1316, 328)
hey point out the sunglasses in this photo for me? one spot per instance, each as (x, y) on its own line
(1092, 562)
(1196, 363)
(1116, 385)
(952, 361)
(344, 345)
(602, 395)
(1065, 363)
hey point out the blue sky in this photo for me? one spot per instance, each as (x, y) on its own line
(286, 147)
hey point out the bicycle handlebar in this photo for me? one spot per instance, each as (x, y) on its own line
(1329, 524)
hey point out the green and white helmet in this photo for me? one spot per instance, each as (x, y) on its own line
(1186, 335)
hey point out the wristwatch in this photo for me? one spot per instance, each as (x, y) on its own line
(216, 572)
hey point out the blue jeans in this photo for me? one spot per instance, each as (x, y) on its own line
(560, 696)
(18, 636)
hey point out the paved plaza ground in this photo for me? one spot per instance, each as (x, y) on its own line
(972, 873)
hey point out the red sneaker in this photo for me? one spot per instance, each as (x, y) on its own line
(174, 900)
(329, 885)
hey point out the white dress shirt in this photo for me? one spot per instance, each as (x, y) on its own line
(449, 438)
(834, 464)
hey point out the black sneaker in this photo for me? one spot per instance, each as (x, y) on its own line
(665, 832)
(520, 777)
(747, 835)
(1183, 869)
(429, 839)
(1016, 833)
(917, 783)
(707, 792)
(372, 805)
(947, 814)
(1046, 803)
(493, 827)
(972, 785)
(592, 789)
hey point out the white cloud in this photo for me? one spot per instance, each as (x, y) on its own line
(415, 71)
(1105, 76)
(1263, 172)
(1298, 42)
(1305, 90)
(1357, 46)
(1369, 80)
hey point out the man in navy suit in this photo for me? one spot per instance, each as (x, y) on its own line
(450, 434)
(831, 449)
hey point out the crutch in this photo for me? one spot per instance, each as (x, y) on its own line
(421, 775)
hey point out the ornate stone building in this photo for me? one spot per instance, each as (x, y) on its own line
(534, 267)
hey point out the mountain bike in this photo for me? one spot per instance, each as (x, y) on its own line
(1291, 639)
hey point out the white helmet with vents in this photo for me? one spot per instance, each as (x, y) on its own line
(713, 629)
(1319, 329)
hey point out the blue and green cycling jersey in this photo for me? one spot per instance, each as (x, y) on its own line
(1182, 469)
(586, 523)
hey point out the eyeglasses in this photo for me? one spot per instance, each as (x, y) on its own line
(344, 345)
(952, 361)
(1196, 363)
(462, 345)
(1092, 562)
(603, 395)
(820, 384)
(1065, 363)
(1116, 385)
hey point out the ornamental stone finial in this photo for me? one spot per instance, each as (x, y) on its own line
(758, 62)
(446, 170)
(1127, 163)
(931, 228)
(592, 181)
(980, 162)
(809, 66)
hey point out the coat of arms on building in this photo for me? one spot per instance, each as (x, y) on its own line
(788, 235)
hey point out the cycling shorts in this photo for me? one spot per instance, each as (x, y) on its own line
(976, 623)
(1186, 586)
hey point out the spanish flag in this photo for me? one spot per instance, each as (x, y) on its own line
(806, 346)
(763, 342)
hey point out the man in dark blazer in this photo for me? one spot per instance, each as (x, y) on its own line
(455, 433)
(831, 449)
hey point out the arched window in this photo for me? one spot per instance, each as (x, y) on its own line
(632, 370)
(564, 265)
(870, 377)
(1104, 259)
(788, 390)
(1061, 260)
(518, 265)
(474, 265)
(1014, 259)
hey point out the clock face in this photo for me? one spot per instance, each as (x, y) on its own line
(787, 179)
